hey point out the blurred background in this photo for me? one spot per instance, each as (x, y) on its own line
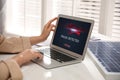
(27, 17)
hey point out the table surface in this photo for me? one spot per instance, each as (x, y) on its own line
(86, 70)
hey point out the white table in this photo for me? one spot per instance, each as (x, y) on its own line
(81, 71)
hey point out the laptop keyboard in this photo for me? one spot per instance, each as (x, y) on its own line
(108, 54)
(56, 55)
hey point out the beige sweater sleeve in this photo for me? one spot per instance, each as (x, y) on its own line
(9, 70)
(14, 44)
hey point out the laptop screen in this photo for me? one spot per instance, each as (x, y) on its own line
(71, 35)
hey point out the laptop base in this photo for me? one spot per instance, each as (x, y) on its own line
(49, 63)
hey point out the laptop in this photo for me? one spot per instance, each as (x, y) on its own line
(68, 44)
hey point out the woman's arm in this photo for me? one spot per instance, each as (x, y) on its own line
(14, 44)
(10, 69)
(4, 72)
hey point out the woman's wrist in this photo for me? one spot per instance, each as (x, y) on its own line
(42, 38)
(36, 39)
(19, 60)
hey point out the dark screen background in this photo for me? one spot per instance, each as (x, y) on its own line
(71, 35)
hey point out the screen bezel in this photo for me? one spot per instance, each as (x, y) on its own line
(65, 50)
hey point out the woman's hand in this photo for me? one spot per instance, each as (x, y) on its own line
(48, 28)
(45, 33)
(26, 56)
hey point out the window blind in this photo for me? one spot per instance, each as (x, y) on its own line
(25, 17)
(89, 9)
(116, 20)
(62, 7)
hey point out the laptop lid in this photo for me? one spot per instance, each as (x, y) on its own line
(71, 35)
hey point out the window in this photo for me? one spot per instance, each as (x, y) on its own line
(26, 16)
(116, 20)
(89, 9)
(106, 14)
(23, 17)
(62, 7)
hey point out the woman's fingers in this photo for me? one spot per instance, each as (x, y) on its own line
(52, 27)
(38, 55)
(49, 23)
